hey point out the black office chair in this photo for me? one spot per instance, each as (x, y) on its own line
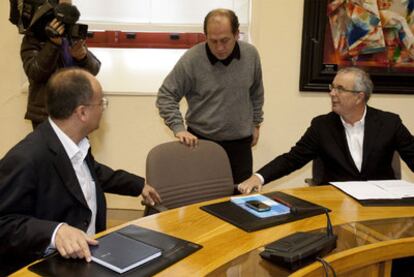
(317, 173)
(318, 170)
(184, 175)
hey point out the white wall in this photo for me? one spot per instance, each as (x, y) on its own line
(131, 126)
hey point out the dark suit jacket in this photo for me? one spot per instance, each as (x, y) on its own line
(39, 189)
(325, 139)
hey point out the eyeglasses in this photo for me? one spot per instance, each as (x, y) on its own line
(104, 103)
(341, 89)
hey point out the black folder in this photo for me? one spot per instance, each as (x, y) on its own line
(409, 201)
(235, 215)
(173, 250)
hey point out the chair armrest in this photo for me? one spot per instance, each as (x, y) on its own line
(149, 210)
(159, 208)
(311, 182)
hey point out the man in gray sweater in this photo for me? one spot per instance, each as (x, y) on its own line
(221, 80)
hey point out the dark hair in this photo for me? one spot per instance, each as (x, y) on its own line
(363, 81)
(66, 90)
(234, 21)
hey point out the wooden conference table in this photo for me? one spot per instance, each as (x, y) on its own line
(230, 251)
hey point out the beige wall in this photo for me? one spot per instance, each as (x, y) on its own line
(131, 126)
(12, 102)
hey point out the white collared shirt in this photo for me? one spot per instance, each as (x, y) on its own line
(77, 154)
(355, 139)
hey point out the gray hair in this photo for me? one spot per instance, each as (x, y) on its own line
(363, 81)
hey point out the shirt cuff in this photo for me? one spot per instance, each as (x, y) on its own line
(52, 244)
(260, 177)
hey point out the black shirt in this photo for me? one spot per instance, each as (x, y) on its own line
(234, 54)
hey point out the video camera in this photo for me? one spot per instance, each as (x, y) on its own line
(34, 16)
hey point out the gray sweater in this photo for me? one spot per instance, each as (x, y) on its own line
(224, 102)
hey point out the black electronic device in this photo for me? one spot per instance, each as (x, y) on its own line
(34, 16)
(22, 11)
(68, 15)
(301, 248)
(257, 205)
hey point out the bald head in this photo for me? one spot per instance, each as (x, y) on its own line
(67, 89)
(217, 15)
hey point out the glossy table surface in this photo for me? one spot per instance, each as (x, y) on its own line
(226, 247)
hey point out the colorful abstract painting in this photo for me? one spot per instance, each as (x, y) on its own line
(373, 33)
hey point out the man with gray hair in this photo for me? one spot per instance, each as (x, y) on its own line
(354, 142)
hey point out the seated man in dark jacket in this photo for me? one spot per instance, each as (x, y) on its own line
(354, 142)
(51, 188)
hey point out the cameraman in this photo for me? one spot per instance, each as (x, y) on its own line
(43, 54)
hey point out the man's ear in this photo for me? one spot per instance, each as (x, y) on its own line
(81, 113)
(360, 97)
(237, 35)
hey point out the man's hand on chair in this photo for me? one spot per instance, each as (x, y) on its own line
(187, 138)
(150, 195)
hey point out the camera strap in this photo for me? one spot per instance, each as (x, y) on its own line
(16, 12)
(41, 11)
(67, 57)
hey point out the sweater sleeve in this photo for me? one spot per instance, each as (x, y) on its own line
(173, 89)
(257, 93)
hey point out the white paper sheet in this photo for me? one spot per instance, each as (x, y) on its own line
(383, 189)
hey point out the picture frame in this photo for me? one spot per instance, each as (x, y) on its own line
(316, 75)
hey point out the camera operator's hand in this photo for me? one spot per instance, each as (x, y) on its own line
(57, 29)
(78, 50)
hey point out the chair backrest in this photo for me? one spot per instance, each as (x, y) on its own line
(184, 175)
(367, 260)
(396, 165)
(318, 170)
